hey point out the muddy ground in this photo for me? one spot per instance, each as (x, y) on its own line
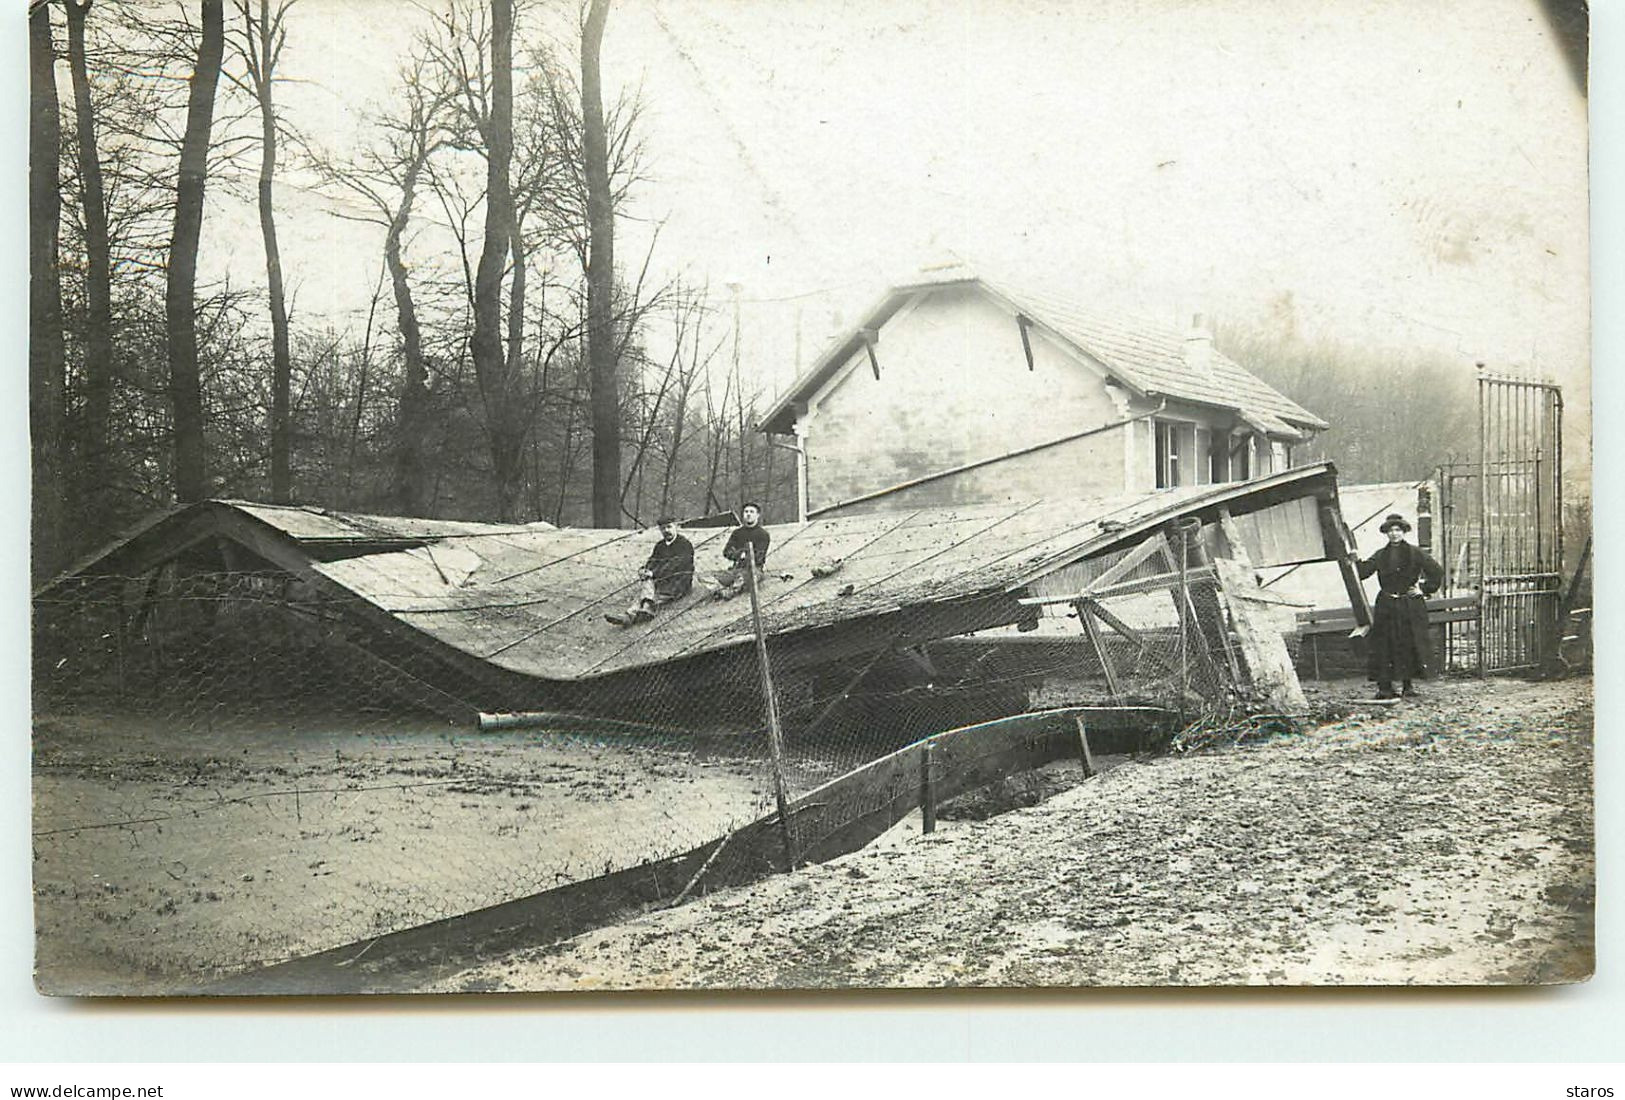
(1447, 841)
(164, 857)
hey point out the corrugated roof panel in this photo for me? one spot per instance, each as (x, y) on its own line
(308, 523)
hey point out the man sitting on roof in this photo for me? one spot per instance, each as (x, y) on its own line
(750, 537)
(667, 575)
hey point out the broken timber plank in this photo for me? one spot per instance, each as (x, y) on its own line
(1340, 545)
(1262, 645)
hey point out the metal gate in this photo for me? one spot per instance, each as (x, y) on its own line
(1501, 532)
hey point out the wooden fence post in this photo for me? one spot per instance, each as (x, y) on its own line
(770, 702)
(928, 791)
(1088, 758)
(1185, 609)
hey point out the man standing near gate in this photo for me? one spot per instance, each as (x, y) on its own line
(1397, 646)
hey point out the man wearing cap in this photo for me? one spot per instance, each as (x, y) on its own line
(666, 576)
(1397, 646)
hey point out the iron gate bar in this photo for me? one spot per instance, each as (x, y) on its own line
(1502, 537)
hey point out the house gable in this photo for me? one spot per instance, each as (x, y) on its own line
(955, 388)
(958, 389)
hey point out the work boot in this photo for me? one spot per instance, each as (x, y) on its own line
(1385, 690)
(643, 614)
(618, 620)
(1409, 692)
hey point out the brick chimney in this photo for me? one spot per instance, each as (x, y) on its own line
(1198, 351)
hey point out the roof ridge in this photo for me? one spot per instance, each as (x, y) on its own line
(1146, 353)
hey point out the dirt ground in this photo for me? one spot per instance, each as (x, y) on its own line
(1440, 842)
(162, 860)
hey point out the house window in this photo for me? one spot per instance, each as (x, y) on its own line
(1218, 458)
(1171, 454)
(1241, 458)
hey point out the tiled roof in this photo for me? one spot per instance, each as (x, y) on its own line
(1151, 358)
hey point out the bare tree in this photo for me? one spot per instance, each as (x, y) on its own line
(46, 356)
(185, 382)
(473, 45)
(385, 177)
(688, 329)
(259, 42)
(606, 412)
(492, 364)
(94, 434)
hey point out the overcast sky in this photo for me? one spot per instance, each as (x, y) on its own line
(1411, 174)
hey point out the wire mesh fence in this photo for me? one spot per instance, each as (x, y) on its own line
(232, 770)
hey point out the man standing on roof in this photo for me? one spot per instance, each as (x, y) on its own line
(1397, 646)
(667, 575)
(749, 537)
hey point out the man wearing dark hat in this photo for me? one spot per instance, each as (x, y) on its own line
(666, 576)
(1397, 646)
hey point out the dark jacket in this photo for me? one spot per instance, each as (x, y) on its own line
(743, 537)
(1398, 645)
(671, 565)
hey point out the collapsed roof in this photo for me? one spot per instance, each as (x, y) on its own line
(527, 602)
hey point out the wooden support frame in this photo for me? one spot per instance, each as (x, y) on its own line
(1341, 546)
(1092, 628)
(1126, 631)
(1127, 588)
(1230, 538)
(1130, 561)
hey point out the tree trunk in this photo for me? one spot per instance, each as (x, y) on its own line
(516, 422)
(486, 344)
(45, 344)
(95, 438)
(601, 351)
(265, 36)
(410, 488)
(185, 382)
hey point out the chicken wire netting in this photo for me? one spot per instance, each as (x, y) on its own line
(232, 770)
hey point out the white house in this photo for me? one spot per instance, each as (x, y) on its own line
(956, 389)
